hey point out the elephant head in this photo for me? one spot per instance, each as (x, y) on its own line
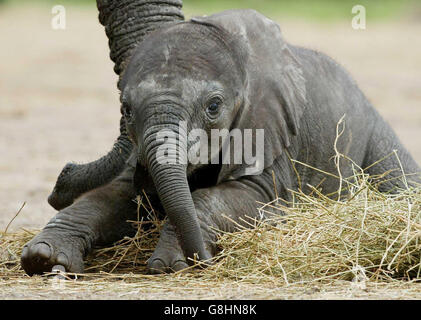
(126, 23)
(226, 71)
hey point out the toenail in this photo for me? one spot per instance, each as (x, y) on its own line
(179, 265)
(43, 250)
(62, 259)
(157, 266)
(25, 251)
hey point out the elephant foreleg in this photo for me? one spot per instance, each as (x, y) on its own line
(98, 217)
(168, 255)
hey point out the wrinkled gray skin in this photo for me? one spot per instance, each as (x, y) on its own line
(239, 59)
(126, 23)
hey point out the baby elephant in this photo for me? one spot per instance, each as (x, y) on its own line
(230, 72)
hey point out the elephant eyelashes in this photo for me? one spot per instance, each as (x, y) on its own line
(214, 107)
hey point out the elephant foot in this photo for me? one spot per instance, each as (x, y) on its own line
(49, 249)
(164, 261)
(168, 256)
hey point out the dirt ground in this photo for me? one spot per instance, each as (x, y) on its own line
(59, 102)
(150, 288)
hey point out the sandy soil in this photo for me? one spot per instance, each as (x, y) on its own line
(59, 102)
(164, 289)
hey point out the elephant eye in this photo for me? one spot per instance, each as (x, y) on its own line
(213, 107)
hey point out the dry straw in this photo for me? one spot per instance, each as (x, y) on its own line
(369, 236)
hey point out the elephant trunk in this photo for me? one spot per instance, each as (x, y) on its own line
(126, 22)
(76, 179)
(171, 183)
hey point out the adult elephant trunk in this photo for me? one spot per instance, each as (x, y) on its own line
(170, 178)
(126, 23)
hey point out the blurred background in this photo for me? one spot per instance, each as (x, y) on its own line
(58, 96)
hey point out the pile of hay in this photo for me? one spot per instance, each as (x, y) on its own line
(366, 236)
(370, 236)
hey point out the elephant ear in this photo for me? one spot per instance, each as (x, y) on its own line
(274, 85)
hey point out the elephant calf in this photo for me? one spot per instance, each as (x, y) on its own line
(232, 70)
